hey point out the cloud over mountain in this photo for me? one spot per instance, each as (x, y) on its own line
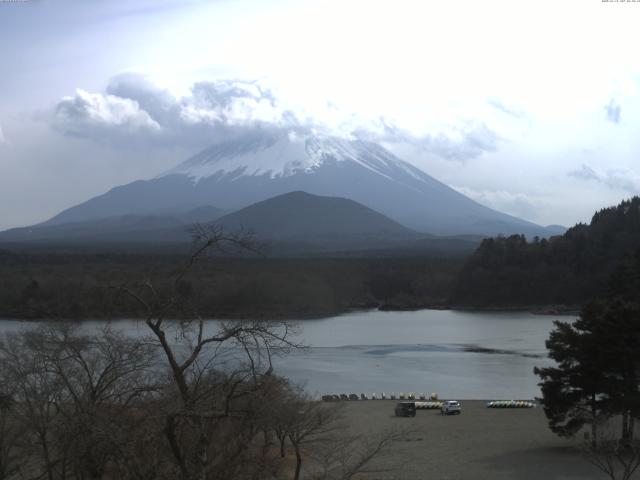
(465, 142)
(517, 204)
(133, 109)
(470, 143)
(94, 115)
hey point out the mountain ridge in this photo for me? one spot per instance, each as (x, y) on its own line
(291, 224)
(250, 169)
(302, 215)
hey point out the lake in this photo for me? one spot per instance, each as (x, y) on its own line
(456, 354)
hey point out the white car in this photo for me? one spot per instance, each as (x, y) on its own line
(451, 407)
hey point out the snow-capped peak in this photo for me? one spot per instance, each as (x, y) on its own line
(282, 155)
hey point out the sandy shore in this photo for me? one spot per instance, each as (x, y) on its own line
(481, 443)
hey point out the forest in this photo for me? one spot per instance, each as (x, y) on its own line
(49, 286)
(566, 270)
(559, 273)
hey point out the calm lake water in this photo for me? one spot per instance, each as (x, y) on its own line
(457, 354)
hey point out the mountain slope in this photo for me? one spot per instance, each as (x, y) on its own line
(295, 223)
(122, 228)
(304, 217)
(240, 172)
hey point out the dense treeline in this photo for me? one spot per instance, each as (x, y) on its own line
(563, 270)
(84, 286)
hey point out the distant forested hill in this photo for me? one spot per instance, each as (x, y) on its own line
(564, 270)
(85, 286)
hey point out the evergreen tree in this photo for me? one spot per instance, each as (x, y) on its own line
(572, 392)
(598, 361)
(569, 269)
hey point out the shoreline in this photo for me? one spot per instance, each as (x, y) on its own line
(460, 399)
(548, 310)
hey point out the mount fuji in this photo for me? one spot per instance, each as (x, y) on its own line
(254, 167)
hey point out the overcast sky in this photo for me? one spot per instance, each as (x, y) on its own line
(530, 107)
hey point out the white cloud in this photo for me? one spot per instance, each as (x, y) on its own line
(133, 106)
(236, 102)
(585, 172)
(615, 178)
(517, 204)
(134, 110)
(468, 143)
(464, 142)
(3, 140)
(99, 115)
(509, 110)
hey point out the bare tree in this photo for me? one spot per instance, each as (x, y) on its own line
(348, 455)
(103, 376)
(310, 422)
(212, 371)
(36, 393)
(71, 390)
(11, 460)
(615, 457)
(320, 432)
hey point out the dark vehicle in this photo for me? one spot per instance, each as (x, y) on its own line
(405, 409)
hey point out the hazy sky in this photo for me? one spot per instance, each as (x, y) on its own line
(530, 107)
